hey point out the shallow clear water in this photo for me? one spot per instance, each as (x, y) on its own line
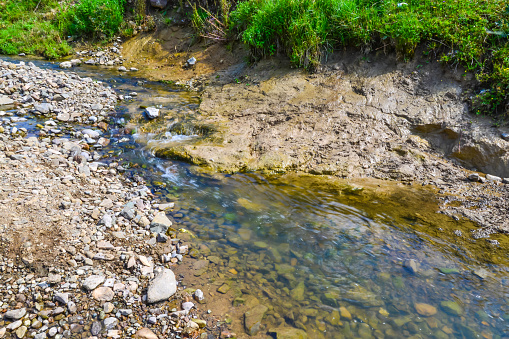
(323, 256)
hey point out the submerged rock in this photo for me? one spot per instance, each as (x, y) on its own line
(410, 265)
(253, 319)
(288, 333)
(298, 292)
(425, 309)
(451, 307)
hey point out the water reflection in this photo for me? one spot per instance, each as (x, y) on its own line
(339, 262)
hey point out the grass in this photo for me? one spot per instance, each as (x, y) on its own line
(31, 27)
(41, 27)
(470, 33)
(94, 18)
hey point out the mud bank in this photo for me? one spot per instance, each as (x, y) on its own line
(357, 117)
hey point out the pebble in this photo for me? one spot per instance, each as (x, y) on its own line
(103, 294)
(145, 333)
(15, 314)
(92, 282)
(110, 323)
(67, 183)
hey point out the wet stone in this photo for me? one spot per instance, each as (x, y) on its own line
(425, 309)
(451, 308)
(288, 333)
(253, 319)
(151, 112)
(481, 273)
(224, 288)
(345, 313)
(298, 292)
(201, 323)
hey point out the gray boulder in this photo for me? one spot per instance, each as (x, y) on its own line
(158, 3)
(162, 287)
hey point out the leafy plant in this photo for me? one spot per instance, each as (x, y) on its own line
(96, 18)
(32, 27)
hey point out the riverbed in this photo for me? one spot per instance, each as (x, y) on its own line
(308, 255)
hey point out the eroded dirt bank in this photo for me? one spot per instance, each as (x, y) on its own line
(359, 116)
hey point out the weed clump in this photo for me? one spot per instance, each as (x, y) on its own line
(96, 18)
(31, 27)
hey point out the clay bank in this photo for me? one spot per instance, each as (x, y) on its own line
(357, 117)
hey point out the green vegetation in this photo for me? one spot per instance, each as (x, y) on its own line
(31, 27)
(95, 18)
(41, 27)
(470, 33)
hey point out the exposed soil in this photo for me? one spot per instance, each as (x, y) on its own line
(358, 116)
(162, 55)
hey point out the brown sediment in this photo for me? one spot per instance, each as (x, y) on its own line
(357, 117)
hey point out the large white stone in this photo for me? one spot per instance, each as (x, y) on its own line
(152, 112)
(162, 287)
(5, 100)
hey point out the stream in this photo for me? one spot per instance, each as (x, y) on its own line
(333, 259)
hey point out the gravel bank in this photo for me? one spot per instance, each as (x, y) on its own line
(83, 244)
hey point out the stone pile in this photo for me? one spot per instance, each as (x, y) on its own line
(109, 56)
(63, 96)
(87, 252)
